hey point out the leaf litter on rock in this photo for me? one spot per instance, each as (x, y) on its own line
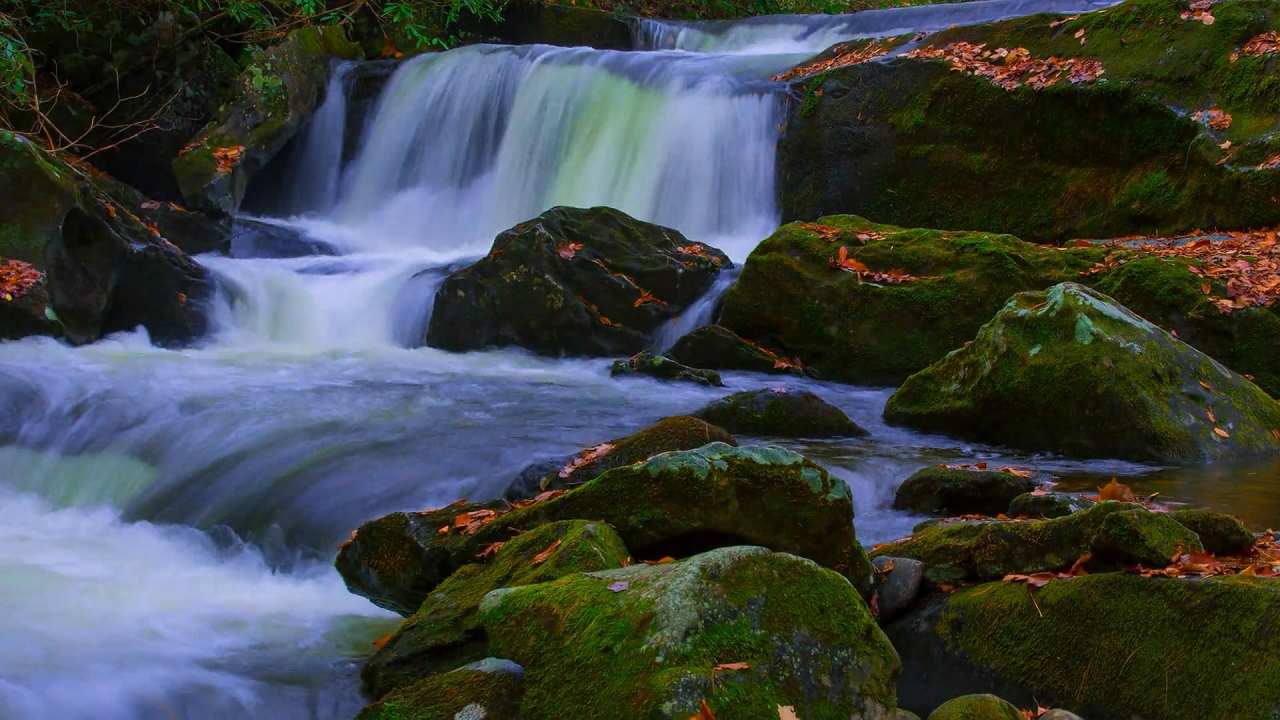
(1012, 68)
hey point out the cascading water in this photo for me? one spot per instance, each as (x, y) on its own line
(170, 516)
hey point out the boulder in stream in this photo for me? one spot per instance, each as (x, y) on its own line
(488, 689)
(982, 706)
(780, 412)
(1070, 370)
(956, 491)
(664, 368)
(719, 348)
(573, 282)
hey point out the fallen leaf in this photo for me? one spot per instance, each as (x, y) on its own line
(1205, 385)
(383, 640)
(566, 249)
(731, 666)
(1116, 491)
(1209, 413)
(659, 561)
(1221, 433)
(787, 712)
(228, 158)
(542, 556)
(490, 549)
(704, 713)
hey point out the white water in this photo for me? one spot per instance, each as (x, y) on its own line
(126, 592)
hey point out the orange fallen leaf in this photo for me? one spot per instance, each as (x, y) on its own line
(542, 556)
(585, 457)
(787, 712)
(1221, 433)
(1205, 385)
(659, 561)
(1116, 491)
(383, 640)
(567, 249)
(228, 158)
(731, 666)
(704, 713)
(491, 549)
(1209, 412)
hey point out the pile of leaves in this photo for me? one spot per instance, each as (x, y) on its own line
(1200, 11)
(1011, 68)
(1271, 163)
(1246, 264)
(467, 523)
(1261, 560)
(1215, 118)
(842, 261)
(16, 278)
(983, 466)
(1268, 43)
(779, 362)
(699, 250)
(228, 158)
(845, 55)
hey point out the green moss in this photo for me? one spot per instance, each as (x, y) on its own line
(779, 413)
(976, 707)
(1124, 643)
(463, 693)
(1220, 533)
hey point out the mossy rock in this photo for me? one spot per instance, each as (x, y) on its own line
(664, 368)
(915, 143)
(644, 641)
(1117, 535)
(577, 282)
(489, 689)
(719, 348)
(976, 707)
(1221, 534)
(949, 491)
(445, 631)
(675, 504)
(1047, 505)
(682, 432)
(781, 413)
(273, 97)
(1105, 646)
(1069, 370)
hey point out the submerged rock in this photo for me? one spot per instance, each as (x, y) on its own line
(664, 368)
(719, 348)
(445, 631)
(1105, 646)
(682, 432)
(577, 282)
(780, 412)
(644, 641)
(489, 689)
(950, 491)
(1069, 370)
(1116, 535)
(976, 707)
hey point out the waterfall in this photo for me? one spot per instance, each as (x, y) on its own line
(311, 185)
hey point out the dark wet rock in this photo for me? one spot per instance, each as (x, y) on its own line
(273, 97)
(488, 689)
(1221, 534)
(719, 348)
(682, 432)
(1059, 714)
(640, 641)
(675, 504)
(949, 491)
(1069, 370)
(254, 239)
(1047, 505)
(664, 368)
(575, 282)
(1116, 534)
(976, 707)
(905, 715)
(780, 412)
(898, 583)
(1117, 631)
(104, 269)
(551, 24)
(445, 633)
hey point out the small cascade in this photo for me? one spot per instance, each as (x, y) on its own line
(311, 184)
(698, 314)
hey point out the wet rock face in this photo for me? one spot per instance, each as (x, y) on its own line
(780, 412)
(639, 641)
(488, 689)
(1070, 370)
(573, 282)
(664, 368)
(719, 348)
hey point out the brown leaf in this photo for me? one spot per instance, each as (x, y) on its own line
(659, 561)
(1221, 433)
(228, 158)
(1209, 413)
(787, 712)
(731, 666)
(542, 556)
(566, 249)
(704, 713)
(1116, 491)
(490, 549)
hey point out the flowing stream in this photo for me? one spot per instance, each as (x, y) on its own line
(170, 516)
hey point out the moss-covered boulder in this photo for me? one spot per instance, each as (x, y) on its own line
(950, 491)
(719, 348)
(1046, 505)
(780, 412)
(101, 268)
(976, 707)
(273, 97)
(664, 368)
(681, 432)
(488, 689)
(1115, 534)
(1221, 534)
(1105, 646)
(1070, 370)
(675, 504)
(445, 633)
(645, 641)
(914, 142)
(582, 282)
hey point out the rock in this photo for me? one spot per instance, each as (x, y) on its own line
(1221, 534)
(1059, 714)
(1118, 631)
(444, 633)
(1117, 534)
(948, 491)
(914, 142)
(489, 689)
(664, 368)
(1069, 370)
(1047, 505)
(103, 269)
(901, 582)
(718, 348)
(904, 715)
(675, 504)
(254, 239)
(682, 432)
(272, 98)
(780, 412)
(577, 282)
(976, 707)
(566, 26)
(642, 641)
